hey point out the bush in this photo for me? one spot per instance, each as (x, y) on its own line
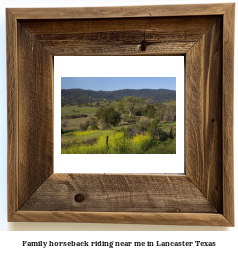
(130, 119)
(64, 124)
(84, 126)
(109, 115)
(154, 129)
(92, 121)
(138, 112)
(134, 131)
(74, 116)
(163, 136)
(168, 147)
(124, 131)
(104, 125)
(99, 113)
(150, 111)
(94, 127)
(144, 125)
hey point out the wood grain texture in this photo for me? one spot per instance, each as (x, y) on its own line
(12, 116)
(192, 219)
(118, 12)
(179, 25)
(114, 193)
(227, 113)
(35, 114)
(203, 115)
(73, 48)
(174, 36)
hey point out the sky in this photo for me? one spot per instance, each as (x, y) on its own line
(118, 83)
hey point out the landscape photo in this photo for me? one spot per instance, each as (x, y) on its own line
(118, 115)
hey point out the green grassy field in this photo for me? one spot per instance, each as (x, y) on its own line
(77, 141)
(74, 123)
(94, 142)
(71, 110)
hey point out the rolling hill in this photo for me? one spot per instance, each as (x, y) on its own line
(75, 96)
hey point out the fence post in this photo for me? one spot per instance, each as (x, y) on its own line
(106, 140)
(171, 132)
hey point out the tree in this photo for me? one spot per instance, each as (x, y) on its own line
(144, 125)
(120, 106)
(138, 111)
(99, 113)
(150, 111)
(154, 129)
(109, 115)
(130, 103)
(149, 101)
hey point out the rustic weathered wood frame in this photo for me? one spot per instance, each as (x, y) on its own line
(204, 34)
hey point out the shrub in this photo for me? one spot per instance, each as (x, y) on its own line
(130, 119)
(144, 125)
(159, 117)
(150, 111)
(99, 113)
(133, 131)
(154, 129)
(84, 126)
(168, 147)
(124, 131)
(163, 136)
(94, 127)
(64, 124)
(92, 121)
(138, 112)
(104, 125)
(109, 115)
(74, 116)
(141, 143)
(94, 142)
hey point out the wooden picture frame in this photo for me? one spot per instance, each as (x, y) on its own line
(204, 34)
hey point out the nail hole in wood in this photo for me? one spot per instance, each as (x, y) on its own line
(213, 120)
(143, 45)
(79, 198)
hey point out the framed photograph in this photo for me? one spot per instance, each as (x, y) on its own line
(203, 194)
(115, 111)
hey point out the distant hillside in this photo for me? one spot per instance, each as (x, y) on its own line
(75, 96)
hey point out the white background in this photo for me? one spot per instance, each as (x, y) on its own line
(11, 241)
(118, 66)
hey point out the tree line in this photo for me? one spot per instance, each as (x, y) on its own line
(129, 110)
(80, 96)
